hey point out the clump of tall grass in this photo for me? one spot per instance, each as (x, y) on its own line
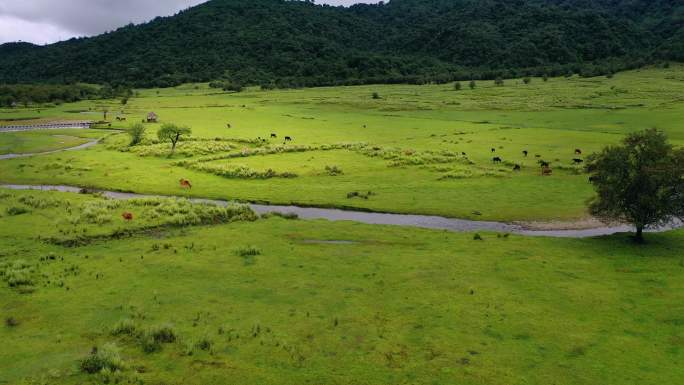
(106, 358)
(362, 195)
(17, 273)
(238, 171)
(98, 211)
(185, 148)
(402, 157)
(39, 203)
(125, 327)
(248, 254)
(182, 212)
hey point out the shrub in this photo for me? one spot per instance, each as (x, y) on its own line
(204, 343)
(472, 84)
(149, 344)
(289, 216)
(105, 358)
(356, 194)
(333, 170)
(16, 210)
(248, 253)
(477, 237)
(527, 80)
(137, 133)
(376, 95)
(457, 86)
(11, 322)
(164, 334)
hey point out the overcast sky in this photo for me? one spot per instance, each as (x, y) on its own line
(48, 21)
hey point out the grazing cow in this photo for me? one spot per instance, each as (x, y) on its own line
(578, 161)
(546, 171)
(537, 156)
(127, 216)
(464, 154)
(525, 153)
(517, 167)
(123, 119)
(274, 136)
(184, 183)
(544, 163)
(578, 151)
(118, 119)
(497, 160)
(288, 139)
(229, 126)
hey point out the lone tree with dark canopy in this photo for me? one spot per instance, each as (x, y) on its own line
(170, 132)
(639, 182)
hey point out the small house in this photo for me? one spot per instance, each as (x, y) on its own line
(152, 117)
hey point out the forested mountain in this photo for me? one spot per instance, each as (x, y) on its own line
(297, 43)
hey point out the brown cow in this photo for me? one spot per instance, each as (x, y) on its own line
(184, 183)
(546, 171)
(127, 216)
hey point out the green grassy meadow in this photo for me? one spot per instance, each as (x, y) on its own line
(410, 125)
(186, 293)
(386, 305)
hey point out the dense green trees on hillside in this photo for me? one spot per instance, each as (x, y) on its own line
(25, 94)
(296, 43)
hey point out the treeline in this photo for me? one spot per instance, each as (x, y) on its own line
(278, 43)
(26, 94)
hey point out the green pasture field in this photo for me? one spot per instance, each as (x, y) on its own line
(411, 126)
(276, 301)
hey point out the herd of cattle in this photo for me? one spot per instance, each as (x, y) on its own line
(545, 166)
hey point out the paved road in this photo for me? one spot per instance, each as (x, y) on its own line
(45, 126)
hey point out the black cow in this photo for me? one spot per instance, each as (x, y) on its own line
(464, 154)
(288, 139)
(543, 163)
(493, 149)
(517, 167)
(228, 125)
(578, 151)
(274, 136)
(497, 160)
(525, 153)
(578, 161)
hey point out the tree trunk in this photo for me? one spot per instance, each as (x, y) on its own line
(639, 236)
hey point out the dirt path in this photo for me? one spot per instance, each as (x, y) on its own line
(75, 148)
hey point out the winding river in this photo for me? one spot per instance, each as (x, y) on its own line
(423, 221)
